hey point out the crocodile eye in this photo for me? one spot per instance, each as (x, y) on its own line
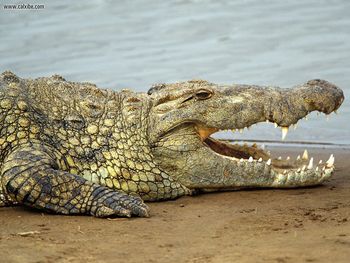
(203, 94)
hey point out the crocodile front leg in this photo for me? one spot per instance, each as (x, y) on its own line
(30, 176)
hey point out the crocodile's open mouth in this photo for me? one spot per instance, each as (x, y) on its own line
(257, 154)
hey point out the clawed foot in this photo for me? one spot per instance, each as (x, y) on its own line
(111, 203)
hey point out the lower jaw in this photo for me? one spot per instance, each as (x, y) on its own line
(253, 154)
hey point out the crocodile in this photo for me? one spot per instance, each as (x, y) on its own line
(73, 148)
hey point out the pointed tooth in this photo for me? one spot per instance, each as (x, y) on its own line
(288, 158)
(316, 169)
(305, 155)
(250, 159)
(233, 130)
(311, 163)
(276, 125)
(263, 146)
(267, 121)
(285, 172)
(241, 160)
(330, 161)
(260, 160)
(295, 126)
(284, 132)
(306, 118)
(240, 130)
(327, 117)
(323, 168)
(268, 162)
(304, 167)
(279, 158)
(336, 112)
(298, 157)
(320, 162)
(298, 170)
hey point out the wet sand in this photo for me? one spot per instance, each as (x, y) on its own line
(297, 225)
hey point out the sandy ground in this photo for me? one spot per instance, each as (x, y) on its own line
(299, 225)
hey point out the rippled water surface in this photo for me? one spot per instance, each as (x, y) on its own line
(118, 44)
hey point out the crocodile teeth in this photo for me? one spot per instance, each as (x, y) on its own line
(298, 170)
(285, 172)
(284, 132)
(298, 157)
(295, 126)
(330, 161)
(304, 167)
(250, 159)
(311, 163)
(260, 160)
(320, 162)
(240, 130)
(288, 158)
(316, 169)
(276, 125)
(263, 146)
(241, 160)
(268, 162)
(267, 121)
(305, 155)
(279, 158)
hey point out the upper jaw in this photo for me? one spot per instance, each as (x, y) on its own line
(240, 106)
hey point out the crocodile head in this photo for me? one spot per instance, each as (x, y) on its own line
(185, 115)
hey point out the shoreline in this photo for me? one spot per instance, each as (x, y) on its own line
(269, 225)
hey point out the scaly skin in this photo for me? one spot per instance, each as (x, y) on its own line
(72, 148)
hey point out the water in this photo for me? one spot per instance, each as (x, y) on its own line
(133, 44)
